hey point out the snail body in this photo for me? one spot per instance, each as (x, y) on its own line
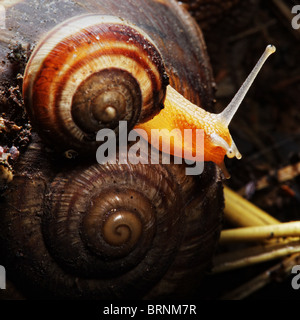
(180, 114)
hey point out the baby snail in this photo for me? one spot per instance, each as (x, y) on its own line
(92, 71)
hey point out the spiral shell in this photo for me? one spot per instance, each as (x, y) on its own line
(97, 229)
(89, 73)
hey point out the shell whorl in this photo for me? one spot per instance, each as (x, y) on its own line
(98, 222)
(89, 73)
(98, 231)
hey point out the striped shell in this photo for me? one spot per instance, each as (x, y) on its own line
(89, 73)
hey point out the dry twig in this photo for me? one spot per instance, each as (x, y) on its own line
(253, 255)
(279, 271)
(261, 233)
(257, 225)
(241, 212)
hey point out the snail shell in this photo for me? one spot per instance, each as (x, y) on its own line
(104, 231)
(89, 73)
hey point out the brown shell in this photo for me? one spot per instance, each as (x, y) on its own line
(107, 231)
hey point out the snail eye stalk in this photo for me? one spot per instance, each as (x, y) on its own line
(227, 114)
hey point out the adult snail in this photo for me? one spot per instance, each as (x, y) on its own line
(113, 231)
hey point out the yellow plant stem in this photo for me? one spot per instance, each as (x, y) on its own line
(253, 255)
(260, 233)
(241, 212)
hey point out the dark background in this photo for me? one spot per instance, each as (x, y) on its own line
(266, 129)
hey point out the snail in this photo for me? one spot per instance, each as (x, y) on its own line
(96, 231)
(87, 230)
(92, 71)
